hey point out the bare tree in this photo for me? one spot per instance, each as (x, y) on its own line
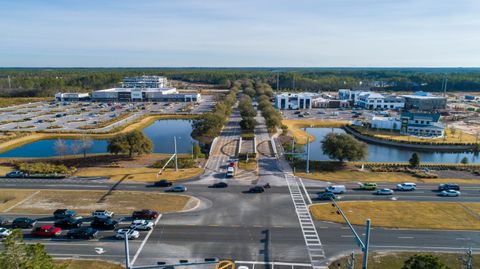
(85, 145)
(60, 147)
(76, 147)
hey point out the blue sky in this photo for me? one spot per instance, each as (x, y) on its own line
(111, 33)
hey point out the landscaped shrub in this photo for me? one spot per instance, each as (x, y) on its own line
(41, 168)
(182, 163)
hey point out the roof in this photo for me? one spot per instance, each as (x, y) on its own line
(136, 89)
(413, 96)
(411, 115)
(371, 95)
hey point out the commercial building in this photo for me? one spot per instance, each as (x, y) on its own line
(285, 101)
(387, 123)
(425, 102)
(144, 95)
(422, 124)
(372, 100)
(71, 97)
(145, 82)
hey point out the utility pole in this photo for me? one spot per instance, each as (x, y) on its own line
(293, 147)
(308, 156)
(278, 81)
(9, 82)
(127, 252)
(363, 245)
(175, 143)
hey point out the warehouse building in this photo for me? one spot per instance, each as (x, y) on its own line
(71, 97)
(144, 95)
(425, 102)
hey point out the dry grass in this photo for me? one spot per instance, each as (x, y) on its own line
(294, 127)
(392, 214)
(141, 174)
(457, 137)
(84, 202)
(5, 169)
(14, 101)
(82, 264)
(394, 177)
(251, 165)
(9, 198)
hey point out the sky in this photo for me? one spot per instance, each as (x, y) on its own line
(240, 33)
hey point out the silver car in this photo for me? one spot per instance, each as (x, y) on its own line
(384, 192)
(450, 193)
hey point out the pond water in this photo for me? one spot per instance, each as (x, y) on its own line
(161, 133)
(381, 153)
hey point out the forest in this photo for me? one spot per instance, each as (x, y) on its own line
(43, 82)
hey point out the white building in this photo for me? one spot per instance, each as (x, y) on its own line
(294, 100)
(145, 82)
(373, 100)
(387, 123)
(144, 95)
(71, 96)
(347, 94)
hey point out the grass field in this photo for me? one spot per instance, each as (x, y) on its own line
(385, 260)
(394, 177)
(251, 165)
(142, 174)
(456, 137)
(14, 101)
(84, 202)
(393, 214)
(294, 127)
(9, 198)
(82, 264)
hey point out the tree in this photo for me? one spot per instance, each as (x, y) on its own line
(18, 255)
(196, 150)
(414, 160)
(85, 145)
(464, 160)
(343, 147)
(60, 147)
(132, 143)
(248, 124)
(424, 261)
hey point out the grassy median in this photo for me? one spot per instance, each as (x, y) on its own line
(84, 202)
(82, 264)
(295, 127)
(139, 174)
(402, 214)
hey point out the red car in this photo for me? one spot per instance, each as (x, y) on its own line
(145, 214)
(47, 230)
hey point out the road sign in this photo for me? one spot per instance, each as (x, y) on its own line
(225, 265)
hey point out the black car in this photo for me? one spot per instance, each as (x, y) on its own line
(23, 223)
(219, 185)
(68, 223)
(3, 222)
(326, 196)
(104, 223)
(83, 233)
(64, 213)
(446, 187)
(163, 183)
(256, 189)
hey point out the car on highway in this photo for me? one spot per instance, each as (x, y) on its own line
(177, 188)
(326, 196)
(336, 189)
(131, 234)
(16, 174)
(368, 186)
(219, 185)
(46, 230)
(450, 193)
(68, 223)
(83, 233)
(407, 186)
(142, 224)
(4, 232)
(3, 222)
(23, 223)
(101, 213)
(145, 214)
(104, 223)
(256, 189)
(64, 213)
(162, 183)
(448, 186)
(384, 191)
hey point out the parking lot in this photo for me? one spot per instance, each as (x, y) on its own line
(89, 116)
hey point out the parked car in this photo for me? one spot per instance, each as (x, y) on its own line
(406, 186)
(162, 183)
(450, 193)
(368, 186)
(256, 189)
(68, 223)
(448, 186)
(219, 185)
(83, 233)
(3, 222)
(104, 223)
(102, 214)
(384, 191)
(46, 230)
(132, 234)
(145, 214)
(23, 223)
(336, 189)
(4, 232)
(64, 213)
(16, 174)
(326, 196)
(142, 224)
(178, 188)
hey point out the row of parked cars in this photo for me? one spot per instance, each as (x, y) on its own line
(142, 220)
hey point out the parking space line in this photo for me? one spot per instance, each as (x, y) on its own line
(139, 250)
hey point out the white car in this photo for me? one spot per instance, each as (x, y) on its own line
(102, 214)
(132, 234)
(4, 232)
(406, 186)
(142, 224)
(384, 192)
(450, 193)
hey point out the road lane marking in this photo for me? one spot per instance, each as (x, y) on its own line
(145, 240)
(406, 237)
(347, 236)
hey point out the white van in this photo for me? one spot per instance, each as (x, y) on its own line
(407, 186)
(336, 189)
(230, 171)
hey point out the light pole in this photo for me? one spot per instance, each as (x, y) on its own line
(308, 156)
(363, 245)
(175, 144)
